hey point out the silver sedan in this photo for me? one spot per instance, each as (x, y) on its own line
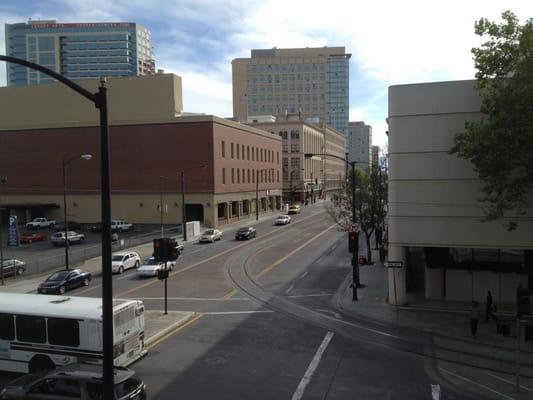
(211, 235)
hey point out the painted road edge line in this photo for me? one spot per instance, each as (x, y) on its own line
(312, 367)
(154, 339)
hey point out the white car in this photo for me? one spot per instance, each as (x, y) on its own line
(282, 220)
(124, 260)
(58, 238)
(211, 235)
(119, 225)
(151, 266)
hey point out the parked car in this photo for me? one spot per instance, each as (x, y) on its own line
(96, 228)
(61, 281)
(72, 225)
(40, 223)
(245, 233)
(58, 238)
(29, 237)
(119, 225)
(282, 220)
(79, 381)
(124, 260)
(13, 267)
(151, 266)
(294, 209)
(211, 235)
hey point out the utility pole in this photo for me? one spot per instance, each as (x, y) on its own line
(161, 203)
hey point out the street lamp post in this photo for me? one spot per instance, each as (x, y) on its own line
(183, 208)
(64, 165)
(99, 99)
(355, 254)
(161, 203)
(257, 192)
(3, 180)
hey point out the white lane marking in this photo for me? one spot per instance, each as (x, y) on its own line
(312, 367)
(237, 312)
(509, 382)
(304, 274)
(310, 295)
(335, 314)
(193, 298)
(289, 289)
(476, 383)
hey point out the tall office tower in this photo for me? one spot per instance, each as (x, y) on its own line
(310, 81)
(359, 143)
(374, 164)
(78, 50)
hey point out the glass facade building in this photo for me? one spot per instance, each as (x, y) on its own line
(311, 81)
(78, 50)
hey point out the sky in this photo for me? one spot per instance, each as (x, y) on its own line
(391, 42)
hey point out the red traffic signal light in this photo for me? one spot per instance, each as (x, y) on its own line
(353, 238)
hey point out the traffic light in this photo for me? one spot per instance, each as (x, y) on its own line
(522, 302)
(173, 252)
(352, 241)
(160, 249)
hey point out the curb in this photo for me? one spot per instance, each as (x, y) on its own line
(169, 328)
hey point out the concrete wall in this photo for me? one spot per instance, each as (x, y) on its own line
(433, 195)
(131, 100)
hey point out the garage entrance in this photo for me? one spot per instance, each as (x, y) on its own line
(195, 212)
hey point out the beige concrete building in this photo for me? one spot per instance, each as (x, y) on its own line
(231, 170)
(308, 178)
(434, 218)
(313, 81)
(360, 143)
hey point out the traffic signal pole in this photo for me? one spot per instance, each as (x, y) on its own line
(355, 254)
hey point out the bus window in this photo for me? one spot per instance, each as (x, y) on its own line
(31, 329)
(7, 327)
(63, 332)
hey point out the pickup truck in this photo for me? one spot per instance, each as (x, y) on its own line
(39, 223)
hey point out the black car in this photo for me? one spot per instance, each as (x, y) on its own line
(72, 226)
(13, 267)
(60, 282)
(78, 381)
(245, 233)
(96, 228)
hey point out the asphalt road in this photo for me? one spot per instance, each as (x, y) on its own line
(269, 328)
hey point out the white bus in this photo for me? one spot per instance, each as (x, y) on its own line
(40, 332)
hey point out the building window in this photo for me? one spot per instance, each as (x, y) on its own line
(253, 174)
(238, 151)
(232, 175)
(248, 173)
(257, 154)
(238, 175)
(277, 157)
(248, 153)
(223, 176)
(232, 154)
(242, 151)
(223, 149)
(253, 154)
(278, 175)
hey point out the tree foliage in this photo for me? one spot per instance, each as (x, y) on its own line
(500, 146)
(370, 204)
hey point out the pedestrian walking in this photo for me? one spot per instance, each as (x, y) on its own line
(489, 308)
(474, 317)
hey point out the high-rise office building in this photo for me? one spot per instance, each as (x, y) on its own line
(78, 50)
(359, 143)
(310, 81)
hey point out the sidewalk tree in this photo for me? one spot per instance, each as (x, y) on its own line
(501, 144)
(370, 204)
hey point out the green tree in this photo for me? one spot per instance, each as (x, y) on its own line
(370, 204)
(500, 146)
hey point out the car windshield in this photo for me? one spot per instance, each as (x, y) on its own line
(209, 232)
(125, 388)
(243, 230)
(58, 276)
(117, 258)
(151, 261)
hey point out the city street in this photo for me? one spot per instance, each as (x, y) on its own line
(268, 326)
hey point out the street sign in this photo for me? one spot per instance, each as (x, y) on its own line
(394, 264)
(12, 232)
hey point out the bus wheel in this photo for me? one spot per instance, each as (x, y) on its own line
(41, 363)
